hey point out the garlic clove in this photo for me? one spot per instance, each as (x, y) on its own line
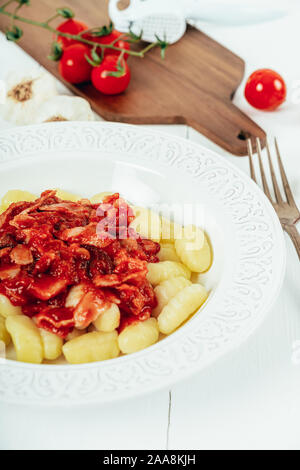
(64, 108)
(25, 93)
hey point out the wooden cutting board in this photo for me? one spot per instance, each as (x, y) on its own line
(194, 85)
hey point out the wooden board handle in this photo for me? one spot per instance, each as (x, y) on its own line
(227, 126)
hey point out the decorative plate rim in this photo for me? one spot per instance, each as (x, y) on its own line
(203, 340)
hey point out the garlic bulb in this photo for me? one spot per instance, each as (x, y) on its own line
(25, 93)
(64, 108)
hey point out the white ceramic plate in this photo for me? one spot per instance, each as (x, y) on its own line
(149, 167)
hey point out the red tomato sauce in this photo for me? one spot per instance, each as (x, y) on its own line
(48, 246)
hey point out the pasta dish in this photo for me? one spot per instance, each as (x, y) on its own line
(91, 279)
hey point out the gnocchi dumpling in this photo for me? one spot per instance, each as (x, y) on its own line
(52, 344)
(194, 251)
(160, 272)
(167, 290)
(66, 196)
(75, 333)
(147, 223)
(26, 338)
(7, 308)
(170, 231)
(4, 334)
(92, 347)
(181, 307)
(16, 195)
(168, 253)
(138, 336)
(109, 320)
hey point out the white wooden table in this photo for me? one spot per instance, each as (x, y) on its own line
(251, 398)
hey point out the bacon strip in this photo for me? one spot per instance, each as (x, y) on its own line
(21, 255)
(56, 320)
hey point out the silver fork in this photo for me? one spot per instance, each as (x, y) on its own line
(286, 209)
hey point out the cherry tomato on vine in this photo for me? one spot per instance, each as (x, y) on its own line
(265, 89)
(70, 26)
(112, 76)
(108, 39)
(73, 65)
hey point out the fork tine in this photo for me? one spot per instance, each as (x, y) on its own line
(262, 171)
(250, 154)
(273, 175)
(286, 186)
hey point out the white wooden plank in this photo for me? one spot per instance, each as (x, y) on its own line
(137, 423)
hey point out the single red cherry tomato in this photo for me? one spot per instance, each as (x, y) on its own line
(265, 89)
(111, 84)
(70, 26)
(73, 66)
(108, 39)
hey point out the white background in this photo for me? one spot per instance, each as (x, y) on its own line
(251, 398)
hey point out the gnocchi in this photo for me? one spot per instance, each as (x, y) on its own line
(159, 272)
(170, 231)
(92, 347)
(74, 334)
(147, 223)
(168, 253)
(26, 338)
(65, 195)
(168, 289)
(181, 307)
(7, 308)
(52, 344)
(4, 334)
(138, 336)
(109, 320)
(194, 251)
(15, 195)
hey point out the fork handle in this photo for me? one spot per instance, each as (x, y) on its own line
(294, 236)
